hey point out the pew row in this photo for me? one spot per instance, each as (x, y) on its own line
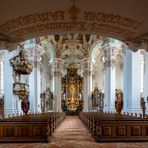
(109, 127)
(30, 128)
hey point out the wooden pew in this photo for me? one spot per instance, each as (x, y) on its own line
(30, 128)
(113, 127)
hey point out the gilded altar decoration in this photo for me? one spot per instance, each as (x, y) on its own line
(20, 64)
(22, 90)
(119, 101)
(97, 97)
(72, 97)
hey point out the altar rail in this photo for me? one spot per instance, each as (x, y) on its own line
(30, 128)
(111, 127)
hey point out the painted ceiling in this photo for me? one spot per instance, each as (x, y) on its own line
(124, 20)
(72, 48)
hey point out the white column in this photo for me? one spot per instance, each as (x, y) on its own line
(57, 91)
(145, 91)
(136, 81)
(131, 81)
(109, 78)
(57, 68)
(127, 78)
(35, 86)
(87, 72)
(119, 77)
(35, 52)
(12, 104)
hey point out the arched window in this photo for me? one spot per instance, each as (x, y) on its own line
(142, 74)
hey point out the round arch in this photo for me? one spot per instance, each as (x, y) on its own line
(73, 17)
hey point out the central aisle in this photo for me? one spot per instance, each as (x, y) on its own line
(72, 133)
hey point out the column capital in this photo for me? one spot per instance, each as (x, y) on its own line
(34, 52)
(87, 65)
(110, 55)
(58, 67)
(87, 73)
(124, 48)
(1, 54)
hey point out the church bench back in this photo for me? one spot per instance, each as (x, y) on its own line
(116, 127)
(30, 128)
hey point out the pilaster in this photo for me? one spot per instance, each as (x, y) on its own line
(145, 91)
(131, 80)
(57, 70)
(87, 73)
(110, 76)
(34, 53)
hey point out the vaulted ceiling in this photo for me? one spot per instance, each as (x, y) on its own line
(72, 48)
(124, 20)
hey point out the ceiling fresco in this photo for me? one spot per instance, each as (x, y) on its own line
(73, 47)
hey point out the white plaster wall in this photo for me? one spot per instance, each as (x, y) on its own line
(98, 80)
(12, 104)
(109, 86)
(131, 74)
(119, 78)
(145, 93)
(35, 86)
(136, 79)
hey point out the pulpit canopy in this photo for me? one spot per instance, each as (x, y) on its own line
(20, 64)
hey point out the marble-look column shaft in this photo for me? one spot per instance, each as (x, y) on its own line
(109, 78)
(34, 86)
(87, 73)
(131, 80)
(12, 104)
(145, 88)
(57, 68)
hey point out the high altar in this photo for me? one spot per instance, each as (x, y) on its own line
(72, 97)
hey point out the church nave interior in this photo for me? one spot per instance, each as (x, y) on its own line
(73, 74)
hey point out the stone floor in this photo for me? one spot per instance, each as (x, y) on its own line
(72, 134)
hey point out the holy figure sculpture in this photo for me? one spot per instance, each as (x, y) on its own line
(72, 91)
(72, 96)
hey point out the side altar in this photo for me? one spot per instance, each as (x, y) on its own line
(72, 97)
